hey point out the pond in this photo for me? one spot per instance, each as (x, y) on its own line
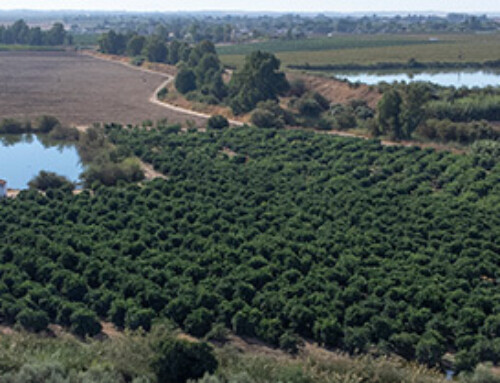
(22, 157)
(457, 79)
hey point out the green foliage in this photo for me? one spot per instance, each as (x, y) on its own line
(180, 360)
(46, 123)
(217, 122)
(48, 180)
(388, 114)
(21, 34)
(269, 114)
(460, 132)
(11, 126)
(162, 93)
(135, 45)
(259, 80)
(33, 320)
(155, 50)
(85, 323)
(290, 342)
(110, 173)
(185, 81)
(347, 242)
(112, 43)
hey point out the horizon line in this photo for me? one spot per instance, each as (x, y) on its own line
(234, 11)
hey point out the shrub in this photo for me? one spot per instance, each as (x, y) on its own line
(217, 122)
(199, 322)
(162, 93)
(297, 88)
(11, 126)
(64, 133)
(110, 173)
(84, 322)
(263, 118)
(290, 342)
(33, 320)
(177, 360)
(49, 180)
(137, 318)
(309, 107)
(46, 123)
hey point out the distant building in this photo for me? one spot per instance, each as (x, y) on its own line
(3, 188)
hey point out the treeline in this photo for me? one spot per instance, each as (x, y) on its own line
(411, 64)
(153, 48)
(436, 113)
(355, 245)
(200, 75)
(220, 28)
(20, 33)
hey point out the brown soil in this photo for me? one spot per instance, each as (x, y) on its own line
(338, 92)
(79, 89)
(150, 173)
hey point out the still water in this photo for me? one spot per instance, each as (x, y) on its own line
(457, 79)
(23, 157)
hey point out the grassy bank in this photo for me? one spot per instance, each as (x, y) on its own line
(128, 357)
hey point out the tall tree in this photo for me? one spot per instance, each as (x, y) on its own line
(259, 80)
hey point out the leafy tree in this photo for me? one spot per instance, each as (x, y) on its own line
(56, 35)
(199, 322)
(178, 360)
(185, 81)
(33, 320)
(138, 317)
(156, 50)
(85, 323)
(112, 43)
(136, 45)
(290, 342)
(258, 80)
(328, 332)
(388, 114)
(430, 349)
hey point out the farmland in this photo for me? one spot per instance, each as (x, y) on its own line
(372, 49)
(77, 89)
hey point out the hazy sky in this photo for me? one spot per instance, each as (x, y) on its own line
(261, 5)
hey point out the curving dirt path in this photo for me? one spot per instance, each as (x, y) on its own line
(154, 97)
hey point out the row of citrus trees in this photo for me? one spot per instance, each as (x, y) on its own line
(276, 234)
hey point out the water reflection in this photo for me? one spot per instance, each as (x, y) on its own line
(469, 79)
(23, 156)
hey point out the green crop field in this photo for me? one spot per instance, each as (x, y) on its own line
(38, 48)
(373, 49)
(339, 240)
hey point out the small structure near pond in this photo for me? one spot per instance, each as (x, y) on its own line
(3, 188)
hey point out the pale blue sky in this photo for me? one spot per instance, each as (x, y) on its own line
(483, 6)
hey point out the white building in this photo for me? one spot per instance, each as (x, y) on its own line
(3, 188)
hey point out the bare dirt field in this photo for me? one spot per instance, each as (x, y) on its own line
(79, 89)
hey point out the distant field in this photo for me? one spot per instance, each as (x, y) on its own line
(85, 39)
(37, 48)
(372, 49)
